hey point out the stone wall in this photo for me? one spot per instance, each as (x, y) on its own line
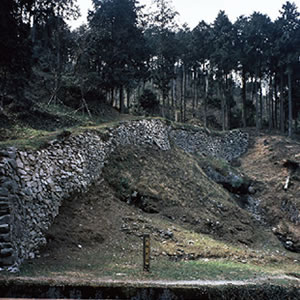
(34, 183)
(228, 145)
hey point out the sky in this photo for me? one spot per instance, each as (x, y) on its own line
(194, 11)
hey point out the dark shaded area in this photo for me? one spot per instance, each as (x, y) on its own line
(125, 291)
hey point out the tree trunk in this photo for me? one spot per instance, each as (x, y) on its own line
(222, 96)
(128, 94)
(257, 117)
(33, 30)
(121, 100)
(174, 85)
(168, 104)
(205, 99)
(174, 99)
(227, 99)
(194, 93)
(163, 112)
(182, 102)
(275, 121)
(58, 70)
(253, 85)
(112, 97)
(184, 95)
(244, 95)
(282, 114)
(260, 105)
(270, 102)
(289, 71)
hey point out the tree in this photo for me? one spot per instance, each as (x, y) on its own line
(186, 62)
(20, 49)
(15, 48)
(119, 45)
(161, 36)
(288, 44)
(202, 41)
(258, 34)
(223, 59)
(149, 102)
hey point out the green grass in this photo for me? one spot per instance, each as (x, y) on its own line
(161, 268)
(23, 136)
(204, 270)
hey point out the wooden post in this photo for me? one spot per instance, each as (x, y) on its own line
(146, 252)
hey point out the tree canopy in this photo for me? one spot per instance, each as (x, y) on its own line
(247, 70)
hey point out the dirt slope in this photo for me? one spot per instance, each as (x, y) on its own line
(173, 184)
(269, 162)
(164, 193)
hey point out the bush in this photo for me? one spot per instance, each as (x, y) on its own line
(149, 102)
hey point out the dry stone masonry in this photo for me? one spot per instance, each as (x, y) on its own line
(33, 184)
(227, 145)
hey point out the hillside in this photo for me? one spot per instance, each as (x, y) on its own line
(269, 162)
(195, 224)
(207, 218)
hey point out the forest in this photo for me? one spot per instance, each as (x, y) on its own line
(227, 74)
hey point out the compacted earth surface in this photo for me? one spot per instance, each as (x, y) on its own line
(202, 230)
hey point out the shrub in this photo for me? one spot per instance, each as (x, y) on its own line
(149, 102)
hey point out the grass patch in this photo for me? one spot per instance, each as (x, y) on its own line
(162, 268)
(204, 270)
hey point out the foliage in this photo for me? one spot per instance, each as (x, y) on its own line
(119, 51)
(149, 102)
(122, 50)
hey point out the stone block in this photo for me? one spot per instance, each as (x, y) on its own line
(22, 172)
(5, 245)
(4, 211)
(4, 192)
(6, 252)
(5, 219)
(7, 261)
(4, 228)
(4, 238)
(12, 163)
(11, 186)
(19, 163)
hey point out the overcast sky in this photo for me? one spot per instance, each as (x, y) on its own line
(194, 11)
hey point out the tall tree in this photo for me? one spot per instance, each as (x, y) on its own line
(186, 62)
(119, 45)
(202, 41)
(289, 47)
(258, 35)
(15, 48)
(223, 60)
(161, 34)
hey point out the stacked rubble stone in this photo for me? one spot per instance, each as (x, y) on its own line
(8, 195)
(33, 184)
(228, 145)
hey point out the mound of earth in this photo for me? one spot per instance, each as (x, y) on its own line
(173, 184)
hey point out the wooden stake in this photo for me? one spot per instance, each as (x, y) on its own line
(146, 252)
